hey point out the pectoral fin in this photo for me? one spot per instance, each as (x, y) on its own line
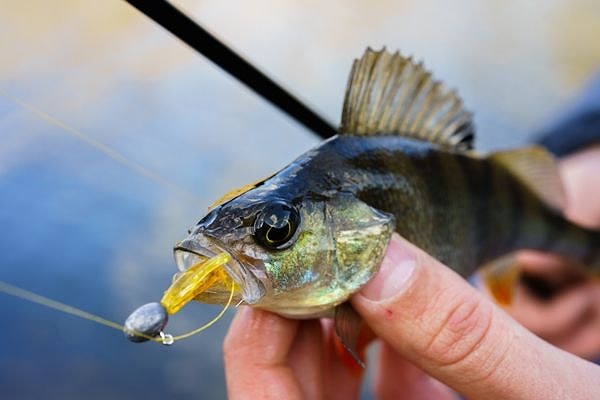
(348, 328)
(500, 277)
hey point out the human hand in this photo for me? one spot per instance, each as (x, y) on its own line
(567, 311)
(580, 174)
(429, 317)
(434, 327)
(558, 303)
(271, 357)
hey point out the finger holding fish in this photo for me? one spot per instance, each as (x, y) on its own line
(301, 242)
(435, 320)
(290, 359)
(556, 299)
(396, 377)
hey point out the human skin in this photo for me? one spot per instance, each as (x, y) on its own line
(437, 334)
(571, 318)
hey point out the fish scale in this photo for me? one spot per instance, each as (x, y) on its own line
(304, 240)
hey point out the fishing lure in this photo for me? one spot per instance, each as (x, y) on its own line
(302, 241)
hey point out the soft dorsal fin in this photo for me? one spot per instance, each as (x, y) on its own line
(536, 168)
(390, 94)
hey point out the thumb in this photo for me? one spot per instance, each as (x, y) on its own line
(432, 317)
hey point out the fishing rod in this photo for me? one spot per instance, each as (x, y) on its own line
(191, 33)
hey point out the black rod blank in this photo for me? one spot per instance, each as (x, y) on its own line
(187, 30)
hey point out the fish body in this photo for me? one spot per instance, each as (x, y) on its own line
(464, 209)
(301, 242)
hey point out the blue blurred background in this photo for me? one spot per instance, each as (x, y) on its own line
(85, 229)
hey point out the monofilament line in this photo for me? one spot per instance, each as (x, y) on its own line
(45, 301)
(108, 151)
(57, 305)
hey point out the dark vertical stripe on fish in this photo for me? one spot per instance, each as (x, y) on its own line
(488, 239)
(556, 226)
(436, 188)
(423, 180)
(477, 175)
(453, 213)
(515, 223)
(534, 235)
(498, 211)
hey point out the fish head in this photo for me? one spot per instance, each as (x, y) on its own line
(297, 256)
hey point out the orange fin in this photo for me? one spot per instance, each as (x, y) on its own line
(348, 325)
(347, 359)
(500, 277)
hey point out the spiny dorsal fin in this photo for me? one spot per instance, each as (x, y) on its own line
(390, 94)
(536, 169)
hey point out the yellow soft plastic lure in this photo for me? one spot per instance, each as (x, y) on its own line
(194, 281)
(149, 320)
(199, 278)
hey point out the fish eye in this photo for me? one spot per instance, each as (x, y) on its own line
(275, 226)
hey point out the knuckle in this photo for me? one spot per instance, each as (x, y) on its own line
(457, 338)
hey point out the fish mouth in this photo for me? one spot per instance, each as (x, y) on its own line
(199, 248)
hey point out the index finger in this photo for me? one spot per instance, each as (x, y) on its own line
(255, 351)
(437, 321)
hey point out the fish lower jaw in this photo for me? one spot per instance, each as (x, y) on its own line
(310, 312)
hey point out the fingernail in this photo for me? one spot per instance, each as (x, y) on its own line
(395, 271)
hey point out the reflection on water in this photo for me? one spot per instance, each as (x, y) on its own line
(82, 228)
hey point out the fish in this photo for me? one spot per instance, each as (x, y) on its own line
(301, 242)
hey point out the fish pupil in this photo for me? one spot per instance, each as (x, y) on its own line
(278, 235)
(276, 225)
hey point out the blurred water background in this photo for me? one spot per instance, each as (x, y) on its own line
(80, 227)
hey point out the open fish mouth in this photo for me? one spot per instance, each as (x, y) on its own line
(205, 275)
(199, 249)
(186, 258)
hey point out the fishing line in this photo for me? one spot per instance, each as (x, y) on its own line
(211, 322)
(166, 339)
(137, 168)
(45, 301)
(103, 148)
(195, 36)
